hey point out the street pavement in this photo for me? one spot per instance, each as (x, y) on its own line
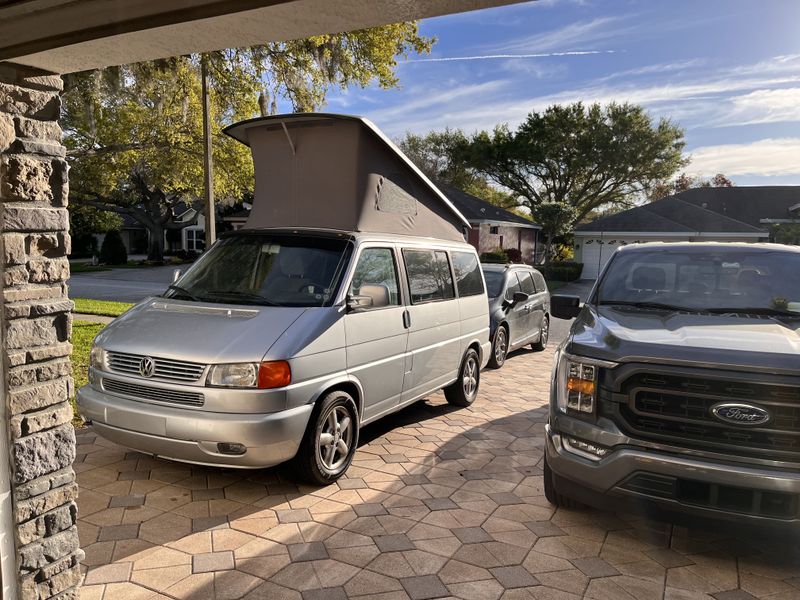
(122, 285)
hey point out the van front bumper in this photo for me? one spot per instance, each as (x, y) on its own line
(191, 435)
(645, 479)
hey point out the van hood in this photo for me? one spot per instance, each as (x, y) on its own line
(198, 332)
(721, 341)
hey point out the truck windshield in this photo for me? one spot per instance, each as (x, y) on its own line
(705, 279)
(266, 269)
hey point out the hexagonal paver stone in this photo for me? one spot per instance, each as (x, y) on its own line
(308, 551)
(544, 528)
(668, 558)
(212, 561)
(294, 515)
(370, 509)
(514, 577)
(393, 543)
(414, 479)
(113, 573)
(215, 494)
(114, 533)
(594, 566)
(126, 501)
(440, 503)
(209, 523)
(356, 483)
(505, 498)
(134, 475)
(472, 535)
(334, 593)
(734, 595)
(424, 587)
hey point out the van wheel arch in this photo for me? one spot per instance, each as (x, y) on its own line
(348, 387)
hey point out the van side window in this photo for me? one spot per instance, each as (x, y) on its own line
(376, 276)
(526, 282)
(512, 286)
(468, 274)
(428, 276)
(538, 279)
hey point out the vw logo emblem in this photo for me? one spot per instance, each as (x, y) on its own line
(740, 414)
(147, 367)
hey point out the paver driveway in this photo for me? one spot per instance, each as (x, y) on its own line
(439, 502)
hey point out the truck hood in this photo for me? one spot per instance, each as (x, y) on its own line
(198, 332)
(741, 342)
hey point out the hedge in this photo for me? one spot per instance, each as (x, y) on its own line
(562, 271)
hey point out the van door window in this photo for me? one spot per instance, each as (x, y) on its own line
(428, 275)
(538, 280)
(526, 282)
(468, 274)
(376, 276)
(512, 287)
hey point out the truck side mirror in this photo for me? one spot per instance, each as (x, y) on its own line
(565, 307)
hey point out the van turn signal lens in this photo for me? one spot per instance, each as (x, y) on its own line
(274, 374)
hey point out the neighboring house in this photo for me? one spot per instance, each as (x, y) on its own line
(724, 214)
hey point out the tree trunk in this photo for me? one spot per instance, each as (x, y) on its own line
(155, 252)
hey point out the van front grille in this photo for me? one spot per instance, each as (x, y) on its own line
(157, 394)
(174, 370)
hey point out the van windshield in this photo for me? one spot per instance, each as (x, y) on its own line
(494, 282)
(705, 279)
(267, 270)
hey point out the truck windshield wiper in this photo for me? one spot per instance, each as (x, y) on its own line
(762, 310)
(184, 292)
(243, 295)
(653, 305)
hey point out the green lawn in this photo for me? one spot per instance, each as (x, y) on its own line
(83, 333)
(105, 308)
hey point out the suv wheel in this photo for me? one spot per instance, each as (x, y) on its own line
(464, 390)
(553, 497)
(499, 348)
(544, 334)
(330, 440)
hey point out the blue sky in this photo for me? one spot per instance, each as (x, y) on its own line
(727, 71)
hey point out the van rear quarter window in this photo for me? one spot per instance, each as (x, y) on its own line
(428, 273)
(468, 274)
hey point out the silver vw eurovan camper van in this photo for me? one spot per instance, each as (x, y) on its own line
(349, 294)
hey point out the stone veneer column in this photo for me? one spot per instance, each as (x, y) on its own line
(35, 329)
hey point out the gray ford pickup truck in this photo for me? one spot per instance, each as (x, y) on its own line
(678, 386)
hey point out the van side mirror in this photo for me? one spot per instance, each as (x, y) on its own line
(355, 302)
(176, 274)
(519, 297)
(565, 307)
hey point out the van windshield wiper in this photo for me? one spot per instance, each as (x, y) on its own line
(653, 305)
(184, 292)
(763, 310)
(243, 296)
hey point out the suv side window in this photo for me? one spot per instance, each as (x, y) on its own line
(541, 284)
(376, 276)
(468, 274)
(429, 277)
(512, 286)
(526, 282)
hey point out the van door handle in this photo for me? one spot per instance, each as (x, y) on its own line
(406, 319)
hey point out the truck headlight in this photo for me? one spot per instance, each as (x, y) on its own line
(265, 375)
(97, 358)
(577, 383)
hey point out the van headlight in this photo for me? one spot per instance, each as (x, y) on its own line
(97, 358)
(577, 383)
(265, 375)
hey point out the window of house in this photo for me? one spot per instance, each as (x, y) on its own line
(195, 240)
(376, 272)
(428, 273)
(468, 273)
(494, 230)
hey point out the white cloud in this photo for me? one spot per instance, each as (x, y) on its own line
(763, 106)
(768, 157)
(582, 34)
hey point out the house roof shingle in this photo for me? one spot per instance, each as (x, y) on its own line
(475, 209)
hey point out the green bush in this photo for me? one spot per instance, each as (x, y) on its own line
(562, 271)
(495, 256)
(113, 252)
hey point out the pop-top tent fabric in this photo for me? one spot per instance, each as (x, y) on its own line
(340, 172)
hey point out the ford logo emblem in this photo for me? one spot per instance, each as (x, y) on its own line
(740, 414)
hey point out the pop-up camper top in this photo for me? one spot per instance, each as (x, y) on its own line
(340, 172)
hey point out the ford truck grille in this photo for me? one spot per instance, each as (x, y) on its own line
(669, 407)
(163, 368)
(157, 394)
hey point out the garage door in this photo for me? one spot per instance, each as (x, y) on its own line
(597, 252)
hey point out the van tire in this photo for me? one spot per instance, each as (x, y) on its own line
(499, 348)
(464, 390)
(550, 493)
(326, 421)
(544, 335)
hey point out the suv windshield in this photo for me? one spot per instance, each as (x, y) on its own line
(265, 269)
(704, 279)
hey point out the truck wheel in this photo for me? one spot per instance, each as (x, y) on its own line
(499, 348)
(330, 440)
(553, 497)
(544, 335)
(464, 390)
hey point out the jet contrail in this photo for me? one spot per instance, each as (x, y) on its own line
(494, 56)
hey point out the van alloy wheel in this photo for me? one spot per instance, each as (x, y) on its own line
(464, 390)
(470, 377)
(499, 348)
(544, 334)
(335, 438)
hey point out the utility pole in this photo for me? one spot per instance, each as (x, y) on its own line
(208, 163)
